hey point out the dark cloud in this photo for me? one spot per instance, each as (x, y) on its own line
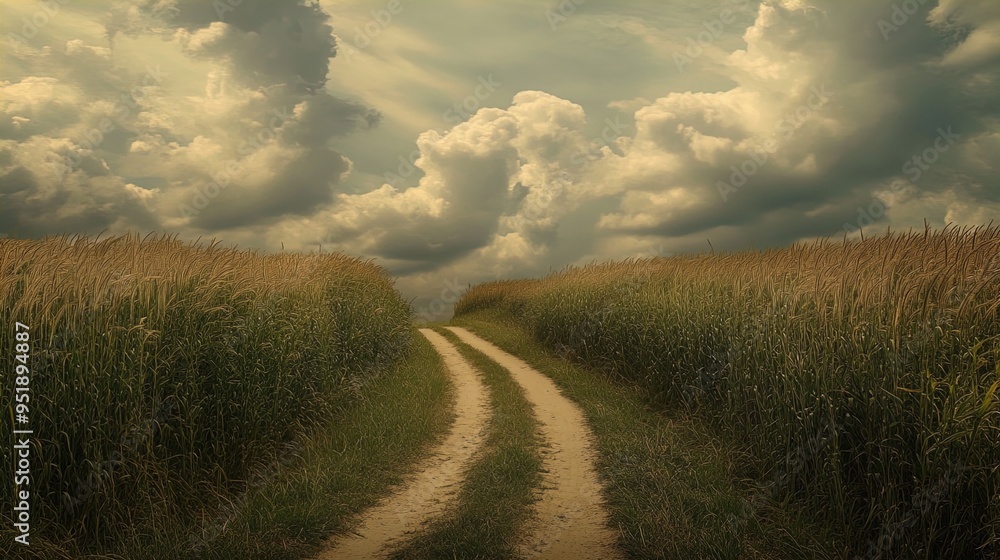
(40, 119)
(891, 97)
(264, 111)
(300, 187)
(478, 187)
(325, 116)
(27, 212)
(269, 41)
(525, 183)
(16, 180)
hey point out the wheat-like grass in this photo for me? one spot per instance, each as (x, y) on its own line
(164, 372)
(864, 374)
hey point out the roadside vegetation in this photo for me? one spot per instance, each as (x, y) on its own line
(171, 384)
(343, 468)
(671, 486)
(826, 400)
(855, 380)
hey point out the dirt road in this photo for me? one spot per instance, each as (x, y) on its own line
(569, 520)
(438, 479)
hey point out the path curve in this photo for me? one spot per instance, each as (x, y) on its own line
(570, 520)
(438, 478)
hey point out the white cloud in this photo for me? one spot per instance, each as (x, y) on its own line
(524, 184)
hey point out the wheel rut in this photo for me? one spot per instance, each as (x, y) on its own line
(433, 487)
(570, 520)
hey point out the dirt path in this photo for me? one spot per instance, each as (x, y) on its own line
(570, 521)
(438, 478)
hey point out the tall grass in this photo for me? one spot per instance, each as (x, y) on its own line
(163, 374)
(860, 377)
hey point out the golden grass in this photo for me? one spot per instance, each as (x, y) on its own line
(162, 373)
(862, 375)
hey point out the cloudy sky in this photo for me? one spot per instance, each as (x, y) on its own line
(459, 141)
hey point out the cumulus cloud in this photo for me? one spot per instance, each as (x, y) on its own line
(841, 124)
(248, 146)
(498, 182)
(827, 111)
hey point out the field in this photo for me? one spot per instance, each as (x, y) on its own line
(825, 400)
(859, 378)
(165, 376)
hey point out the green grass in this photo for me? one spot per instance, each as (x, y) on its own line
(341, 470)
(495, 499)
(162, 375)
(672, 484)
(864, 376)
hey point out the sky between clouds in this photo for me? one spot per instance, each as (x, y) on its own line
(457, 142)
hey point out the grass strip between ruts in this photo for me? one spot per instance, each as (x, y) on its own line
(495, 499)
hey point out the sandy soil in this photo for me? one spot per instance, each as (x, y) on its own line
(437, 480)
(570, 520)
